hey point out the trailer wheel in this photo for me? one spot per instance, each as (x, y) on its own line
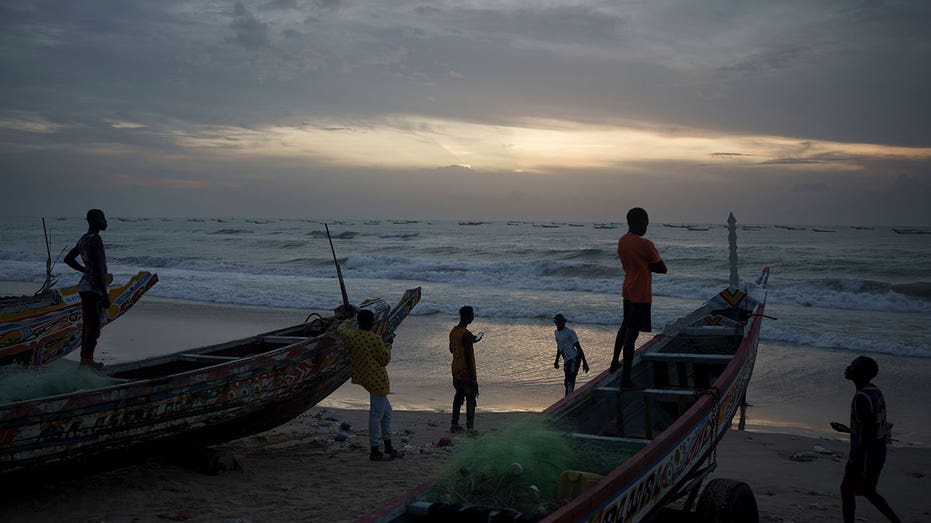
(727, 501)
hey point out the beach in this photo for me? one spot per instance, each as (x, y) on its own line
(300, 472)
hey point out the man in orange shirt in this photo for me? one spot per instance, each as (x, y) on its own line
(639, 259)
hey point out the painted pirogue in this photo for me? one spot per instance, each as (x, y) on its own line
(191, 398)
(35, 330)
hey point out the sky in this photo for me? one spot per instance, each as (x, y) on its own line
(796, 111)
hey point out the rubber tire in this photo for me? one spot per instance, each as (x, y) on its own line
(727, 501)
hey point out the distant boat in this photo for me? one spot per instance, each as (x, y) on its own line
(576, 225)
(824, 230)
(471, 223)
(675, 226)
(514, 223)
(912, 231)
(861, 228)
(604, 226)
(696, 228)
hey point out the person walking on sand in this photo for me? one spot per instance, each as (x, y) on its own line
(92, 288)
(368, 357)
(465, 382)
(640, 259)
(568, 346)
(869, 434)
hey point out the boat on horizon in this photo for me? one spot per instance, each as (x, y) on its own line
(187, 399)
(655, 443)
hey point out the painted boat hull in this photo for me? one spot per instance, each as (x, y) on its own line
(193, 398)
(669, 457)
(37, 330)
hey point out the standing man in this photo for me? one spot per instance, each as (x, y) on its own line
(868, 436)
(568, 346)
(461, 345)
(639, 259)
(368, 356)
(92, 288)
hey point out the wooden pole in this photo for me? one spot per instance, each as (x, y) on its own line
(339, 272)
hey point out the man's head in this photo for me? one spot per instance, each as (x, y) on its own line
(366, 319)
(466, 314)
(637, 221)
(96, 220)
(862, 369)
(560, 321)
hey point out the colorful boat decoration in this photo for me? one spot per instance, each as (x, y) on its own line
(692, 380)
(187, 399)
(35, 330)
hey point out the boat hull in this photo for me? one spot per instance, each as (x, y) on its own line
(37, 330)
(221, 397)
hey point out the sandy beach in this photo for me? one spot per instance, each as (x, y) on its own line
(299, 472)
(302, 472)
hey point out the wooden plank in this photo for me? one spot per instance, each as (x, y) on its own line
(722, 359)
(206, 357)
(284, 340)
(640, 442)
(671, 392)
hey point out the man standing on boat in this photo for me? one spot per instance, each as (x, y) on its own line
(465, 382)
(869, 433)
(92, 288)
(368, 357)
(568, 346)
(639, 259)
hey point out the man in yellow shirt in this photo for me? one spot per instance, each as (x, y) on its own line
(368, 356)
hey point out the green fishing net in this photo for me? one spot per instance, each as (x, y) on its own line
(19, 383)
(518, 467)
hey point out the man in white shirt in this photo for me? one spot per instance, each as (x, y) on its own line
(567, 346)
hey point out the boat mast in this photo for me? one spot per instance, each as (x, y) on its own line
(339, 272)
(732, 240)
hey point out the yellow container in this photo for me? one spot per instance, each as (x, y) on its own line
(574, 482)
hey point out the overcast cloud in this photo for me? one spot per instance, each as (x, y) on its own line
(787, 112)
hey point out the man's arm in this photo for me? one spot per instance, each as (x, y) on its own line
(578, 347)
(863, 432)
(469, 353)
(658, 267)
(71, 259)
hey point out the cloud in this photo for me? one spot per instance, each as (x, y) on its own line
(249, 31)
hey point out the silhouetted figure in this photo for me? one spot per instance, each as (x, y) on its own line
(639, 259)
(92, 288)
(465, 382)
(869, 434)
(568, 346)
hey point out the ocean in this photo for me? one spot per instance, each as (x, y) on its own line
(835, 290)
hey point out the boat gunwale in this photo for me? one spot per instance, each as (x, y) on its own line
(643, 462)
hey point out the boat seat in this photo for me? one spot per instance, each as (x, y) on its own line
(625, 441)
(283, 340)
(682, 398)
(206, 357)
(689, 357)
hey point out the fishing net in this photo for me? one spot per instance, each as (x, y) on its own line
(19, 383)
(520, 466)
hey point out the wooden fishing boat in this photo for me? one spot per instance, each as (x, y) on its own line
(692, 379)
(191, 398)
(35, 330)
